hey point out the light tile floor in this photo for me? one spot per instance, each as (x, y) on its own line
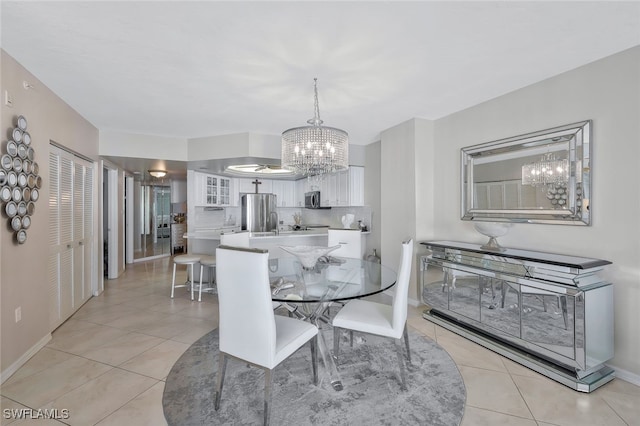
(107, 365)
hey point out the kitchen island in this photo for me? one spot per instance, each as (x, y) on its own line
(205, 241)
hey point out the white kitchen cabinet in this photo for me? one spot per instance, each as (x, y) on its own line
(356, 186)
(285, 191)
(246, 186)
(212, 190)
(328, 190)
(342, 189)
(301, 189)
(345, 188)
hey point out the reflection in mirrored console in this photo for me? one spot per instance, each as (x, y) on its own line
(565, 319)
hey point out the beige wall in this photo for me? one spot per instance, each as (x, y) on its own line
(608, 92)
(121, 144)
(406, 191)
(23, 268)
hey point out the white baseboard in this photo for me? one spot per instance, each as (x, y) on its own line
(24, 358)
(627, 376)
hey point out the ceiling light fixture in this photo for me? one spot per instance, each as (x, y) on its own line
(315, 149)
(253, 169)
(158, 173)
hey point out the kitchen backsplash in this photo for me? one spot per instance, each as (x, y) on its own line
(232, 216)
(333, 216)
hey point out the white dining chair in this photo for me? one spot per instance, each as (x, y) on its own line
(240, 239)
(380, 319)
(249, 330)
(208, 262)
(350, 241)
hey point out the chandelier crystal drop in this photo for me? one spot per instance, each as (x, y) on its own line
(315, 149)
(548, 170)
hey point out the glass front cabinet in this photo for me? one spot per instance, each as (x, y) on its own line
(212, 190)
(551, 313)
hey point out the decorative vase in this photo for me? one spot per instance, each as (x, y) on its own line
(492, 230)
(347, 220)
(308, 255)
(373, 270)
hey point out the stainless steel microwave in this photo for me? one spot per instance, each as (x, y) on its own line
(312, 200)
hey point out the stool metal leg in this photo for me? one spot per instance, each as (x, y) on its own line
(192, 281)
(173, 281)
(200, 289)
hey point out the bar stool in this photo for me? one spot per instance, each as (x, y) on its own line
(210, 263)
(188, 260)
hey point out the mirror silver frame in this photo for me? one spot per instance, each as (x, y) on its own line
(574, 138)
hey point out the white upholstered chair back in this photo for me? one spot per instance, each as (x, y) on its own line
(402, 288)
(247, 324)
(350, 241)
(236, 239)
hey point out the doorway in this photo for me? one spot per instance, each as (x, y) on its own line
(152, 221)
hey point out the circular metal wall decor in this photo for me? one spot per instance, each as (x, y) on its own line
(19, 180)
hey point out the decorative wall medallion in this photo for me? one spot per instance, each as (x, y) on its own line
(19, 180)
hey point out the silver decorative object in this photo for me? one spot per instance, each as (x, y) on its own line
(18, 177)
(493, 231)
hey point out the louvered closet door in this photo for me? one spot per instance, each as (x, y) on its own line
(70, 234)
(82, 222)
(54, 240)
(88, 240)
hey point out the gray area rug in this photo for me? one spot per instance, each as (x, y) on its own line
(436, 394)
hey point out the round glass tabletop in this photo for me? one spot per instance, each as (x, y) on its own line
(338, 279)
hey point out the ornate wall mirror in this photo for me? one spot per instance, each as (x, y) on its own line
(539, 177)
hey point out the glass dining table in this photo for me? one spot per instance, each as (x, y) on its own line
(308, 293)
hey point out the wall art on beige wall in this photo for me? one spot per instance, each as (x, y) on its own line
(19, 180)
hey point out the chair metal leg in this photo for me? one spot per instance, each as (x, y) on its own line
(403, 379)
(351, 338)
(267, 396)
(336, 343)
(504, 289)
(222, 366)
(314, 358)
(406, 342)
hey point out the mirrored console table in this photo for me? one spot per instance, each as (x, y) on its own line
(549, 312)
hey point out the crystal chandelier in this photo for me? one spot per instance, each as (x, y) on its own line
(547, 170)
(315, 149)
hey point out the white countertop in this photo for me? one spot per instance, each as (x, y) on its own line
(215, 234)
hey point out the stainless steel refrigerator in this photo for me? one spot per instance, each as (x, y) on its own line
(259, 212)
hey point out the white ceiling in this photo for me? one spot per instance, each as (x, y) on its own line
(193, 69)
